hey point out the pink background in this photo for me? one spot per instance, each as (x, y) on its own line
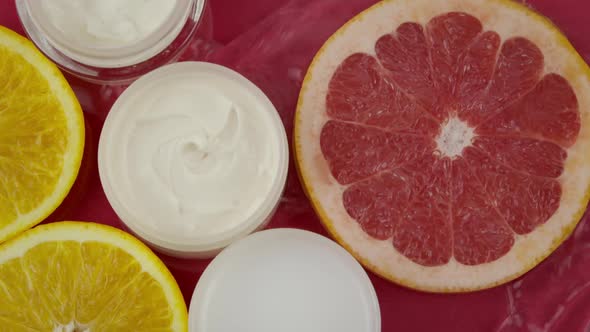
(272, 42)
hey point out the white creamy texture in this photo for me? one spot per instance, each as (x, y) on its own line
(106, 23)
(197, 162)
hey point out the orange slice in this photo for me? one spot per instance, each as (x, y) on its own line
(72, 276)
(41, 135)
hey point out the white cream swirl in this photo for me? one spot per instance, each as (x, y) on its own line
(197, 161)
(106, 23)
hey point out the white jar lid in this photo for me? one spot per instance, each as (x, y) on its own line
(284, 280)
(145, 198)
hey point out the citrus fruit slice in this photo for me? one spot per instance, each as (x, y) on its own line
(73, 276)
(445, 143)
(41, 135)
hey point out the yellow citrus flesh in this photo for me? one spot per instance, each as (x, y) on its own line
(508, 19)
(41, 135)
(73, 276)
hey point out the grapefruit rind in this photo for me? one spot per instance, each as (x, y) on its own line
(91, 232)
(76, 131)
(509, 19)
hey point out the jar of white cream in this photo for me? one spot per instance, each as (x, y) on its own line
(111, 41)
(193, 157)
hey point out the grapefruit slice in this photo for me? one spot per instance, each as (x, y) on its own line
(445, 144)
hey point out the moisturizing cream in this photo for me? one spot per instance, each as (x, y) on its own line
(104, 24)
(111, 40)
(193, 157)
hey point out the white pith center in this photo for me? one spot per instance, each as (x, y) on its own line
(71, 327)
(455, 135)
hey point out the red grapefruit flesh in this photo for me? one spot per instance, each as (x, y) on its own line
(448, 154)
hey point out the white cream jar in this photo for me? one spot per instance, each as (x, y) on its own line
(192, 157)
(111, 41)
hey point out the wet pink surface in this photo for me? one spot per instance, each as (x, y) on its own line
(272, 43)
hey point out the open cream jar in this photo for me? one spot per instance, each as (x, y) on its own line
(111, 41)
(192, 157)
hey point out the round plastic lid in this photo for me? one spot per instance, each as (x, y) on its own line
(284, 280)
